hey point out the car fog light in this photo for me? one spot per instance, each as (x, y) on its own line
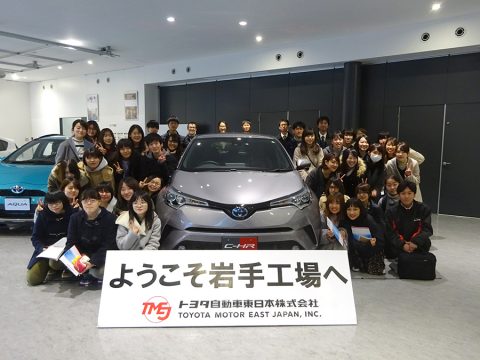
(295, 247)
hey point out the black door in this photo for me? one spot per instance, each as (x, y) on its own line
(421, 127)
(460, 169)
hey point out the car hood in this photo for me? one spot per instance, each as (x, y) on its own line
(237, 187)
(24, 175)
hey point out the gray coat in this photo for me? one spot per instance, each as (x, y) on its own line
(146, 240)
(66, 150)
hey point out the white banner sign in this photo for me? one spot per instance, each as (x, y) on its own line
(226, 288)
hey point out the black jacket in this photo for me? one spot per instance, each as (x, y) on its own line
(316, 181)
(92, 237)
(47, 230)
(375, 175)
(412, 224)
(358, 248)
(288, 143)
(152, 166)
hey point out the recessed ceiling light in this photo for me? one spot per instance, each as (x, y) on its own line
(72, 42)
(59, 67)
(259, 38)
(242, 23)
(90, 62)
(436, 6)
(15, 77)
(171, 19)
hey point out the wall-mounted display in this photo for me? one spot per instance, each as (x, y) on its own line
(131, 105)
(92, 107)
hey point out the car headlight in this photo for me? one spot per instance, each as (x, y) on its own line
(300, 199)
(176, 199)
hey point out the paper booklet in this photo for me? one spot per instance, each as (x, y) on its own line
(336, 232)
(54, 251)
(74, 261)
(361, 234)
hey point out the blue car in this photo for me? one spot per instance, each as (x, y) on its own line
(23, 179)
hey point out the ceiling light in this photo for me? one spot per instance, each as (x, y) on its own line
(171, 19)
(72, 42)
(259, 38)
(436, 6)
(59, 67)
(15, 77)
(90, 62)
(242, 23)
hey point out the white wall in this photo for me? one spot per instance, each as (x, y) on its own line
(15, 122)
(51, 100)
(67, 96)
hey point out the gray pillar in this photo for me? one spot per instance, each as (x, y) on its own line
(152, 102)
(351, 95)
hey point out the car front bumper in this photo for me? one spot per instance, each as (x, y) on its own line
(194, 227)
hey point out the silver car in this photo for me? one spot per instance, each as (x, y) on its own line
(237, 191)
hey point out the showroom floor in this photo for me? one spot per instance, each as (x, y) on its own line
(397, 319)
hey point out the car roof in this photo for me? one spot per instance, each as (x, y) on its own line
(51, 136)
(232, 134)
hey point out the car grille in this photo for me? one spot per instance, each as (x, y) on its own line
(9, 193)
(239, 231)
(17, 214)
(275, 245)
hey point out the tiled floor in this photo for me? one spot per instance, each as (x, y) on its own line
(397, 319)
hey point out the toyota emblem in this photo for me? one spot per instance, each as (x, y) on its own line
(17, 189)
(239, 212)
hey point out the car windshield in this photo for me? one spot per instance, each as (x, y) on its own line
(41, 151)
(235, 153)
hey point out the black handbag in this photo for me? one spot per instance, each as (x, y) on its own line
(417, 265)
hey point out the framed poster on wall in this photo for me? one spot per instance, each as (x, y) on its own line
(131, 105)
(92, 107)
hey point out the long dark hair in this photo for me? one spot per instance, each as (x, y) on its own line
(113, 145)
(132, 184)
(97, 129)
(123, 143)
(303, 144)
(149, 216)
(141, 145)
(344, 168)
(177, 139)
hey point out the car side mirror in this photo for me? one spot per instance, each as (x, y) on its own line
(303, 164)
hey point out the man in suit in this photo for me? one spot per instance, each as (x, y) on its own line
(285, 138)
(324, 138)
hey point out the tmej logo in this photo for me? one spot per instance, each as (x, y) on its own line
(156, 309)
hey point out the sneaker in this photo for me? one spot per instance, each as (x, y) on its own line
(53, 275)
(355, 269)
(86, 280)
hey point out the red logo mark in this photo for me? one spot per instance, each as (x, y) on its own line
(248, 243)
(156, 309)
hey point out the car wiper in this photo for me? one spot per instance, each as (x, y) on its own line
(277, 170)
(37, 161)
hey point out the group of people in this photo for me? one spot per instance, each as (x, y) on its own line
(362, 184)
(102, 193)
